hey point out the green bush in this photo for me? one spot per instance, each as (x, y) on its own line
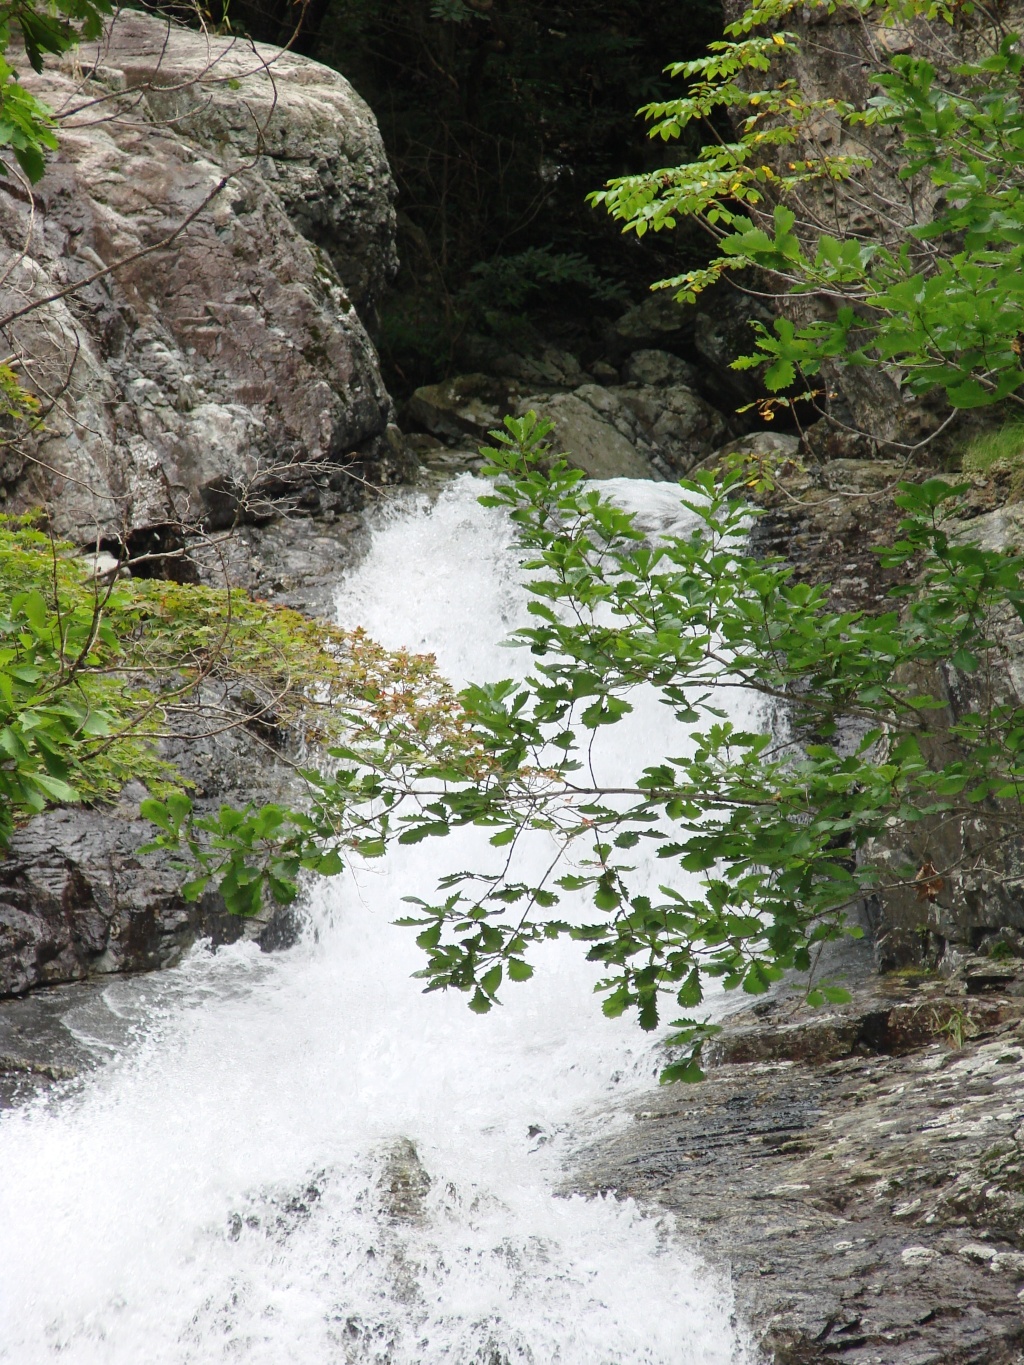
(933, 298)
(94, 673)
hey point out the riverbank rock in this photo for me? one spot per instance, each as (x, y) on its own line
(654, 425)
(976, 905)
(467, 407)
(707, 335)
(79, 898)
(243, 197)
(828, 520)
(869, 1206)
(221, 374)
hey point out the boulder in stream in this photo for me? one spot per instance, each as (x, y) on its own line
(635, 430)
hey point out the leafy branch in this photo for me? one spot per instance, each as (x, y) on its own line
(934, 297)
(765, 843)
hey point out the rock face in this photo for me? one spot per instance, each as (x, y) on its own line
(246, 194)
(978, 905)
(863, 1186)
(78, 899)
(828, 520)
(655, 425)
(709, 334)
(227, 366)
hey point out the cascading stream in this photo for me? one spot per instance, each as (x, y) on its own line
(302, 1158)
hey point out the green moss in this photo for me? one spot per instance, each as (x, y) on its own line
(914, 973)
(93, 675)
(999, 454)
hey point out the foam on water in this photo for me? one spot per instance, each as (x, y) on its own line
(236, 1184)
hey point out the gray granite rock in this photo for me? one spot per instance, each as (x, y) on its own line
(79, 898)
(470, 405)
(658, 368)
(596, 430)
(869, 1207)
(654, 426)
(230, 362)
(651, 430)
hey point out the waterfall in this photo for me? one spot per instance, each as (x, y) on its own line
(301, 1158)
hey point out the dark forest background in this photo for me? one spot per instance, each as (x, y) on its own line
(499, 116)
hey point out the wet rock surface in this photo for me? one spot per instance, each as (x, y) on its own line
(79, 898)
(293, 561)
(404, 1182)
(861, 1176)
(37, 1047)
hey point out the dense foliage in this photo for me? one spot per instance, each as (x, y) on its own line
(899, 217)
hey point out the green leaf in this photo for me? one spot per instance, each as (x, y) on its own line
(757, 979)
(687, 1071)
(55, 788)
(606, 898)
(330, 863)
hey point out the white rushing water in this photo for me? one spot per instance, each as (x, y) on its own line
(234, 1185)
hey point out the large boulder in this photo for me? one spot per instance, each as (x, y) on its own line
(594, 429)
(315, 141)
(222, 360)
(634, 430)
(655, 426)
(710, 334)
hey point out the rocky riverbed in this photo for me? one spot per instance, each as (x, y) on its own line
(861, 1174)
